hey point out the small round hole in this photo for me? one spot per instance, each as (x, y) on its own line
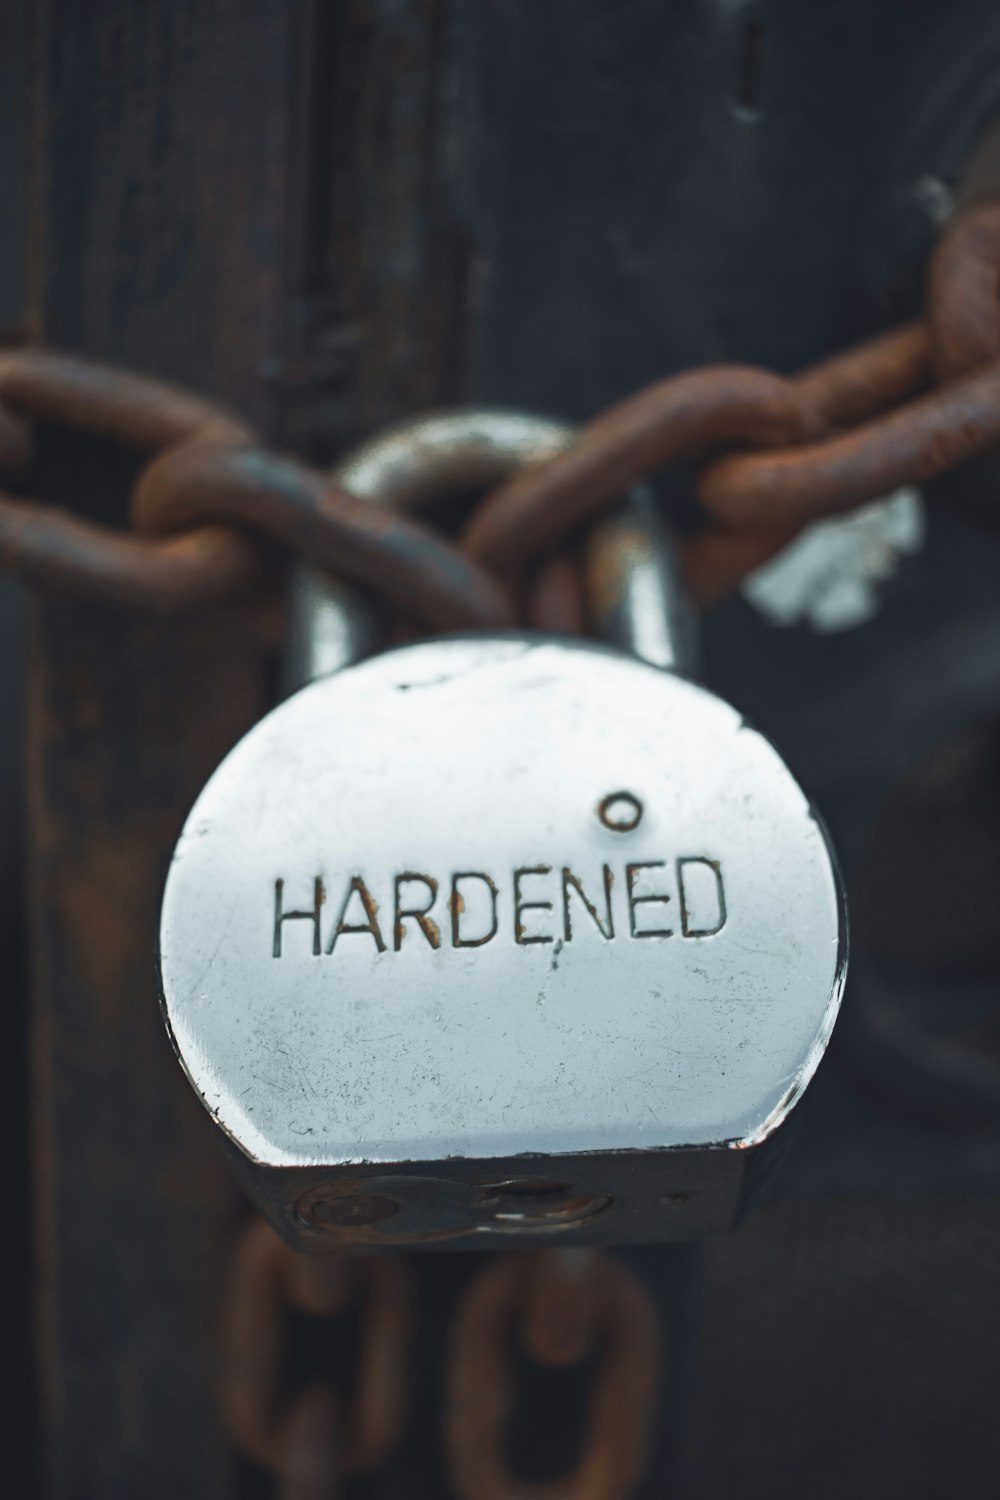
(620, 812)
(323, 1209)
(535, 1203)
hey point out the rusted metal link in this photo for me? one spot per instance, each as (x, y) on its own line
(686, 416)
(915, 443)
(763, 498)
(862, 382)
(53, 548)
(615, 1316)
(963, 303)
(418, 572)
(909, 445)
(559, 1319)
(311, 1465)
(845, 450)
(148, 415)
(837, 392)
(540, 506)
(311, 1438)
(716, 560)
(207, 473)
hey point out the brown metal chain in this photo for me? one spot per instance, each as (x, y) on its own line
(844, 432)
(565, 1306)
(207, 487)
(835, 436)
(312, 1439)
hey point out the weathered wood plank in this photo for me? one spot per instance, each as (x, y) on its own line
(157, 203)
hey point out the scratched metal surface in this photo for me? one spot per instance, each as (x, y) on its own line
(322, 1025)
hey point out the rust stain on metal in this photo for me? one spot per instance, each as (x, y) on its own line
(456, 903)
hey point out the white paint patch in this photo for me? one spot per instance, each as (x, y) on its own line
(829, 577)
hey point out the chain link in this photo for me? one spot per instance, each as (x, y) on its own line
(206, 476)
(413, 569)
(566, 1306)
(693, 414)
(838, 434)
(835, 436)
(311, 1438)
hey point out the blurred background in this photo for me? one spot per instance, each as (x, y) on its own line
(332, 215)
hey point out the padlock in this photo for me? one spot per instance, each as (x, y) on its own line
(504, 938)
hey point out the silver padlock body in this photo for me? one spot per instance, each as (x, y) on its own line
(483, 913)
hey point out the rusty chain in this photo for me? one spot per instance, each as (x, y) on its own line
(565, 1305)
(835, 436)
(776, 453)
(311, 1439)
(206, 473)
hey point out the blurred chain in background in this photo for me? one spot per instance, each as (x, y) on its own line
(566, 1306)
(314, 1437)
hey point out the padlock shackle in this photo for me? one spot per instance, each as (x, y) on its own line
(632, 582)
(633, 587)
(429, 458)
